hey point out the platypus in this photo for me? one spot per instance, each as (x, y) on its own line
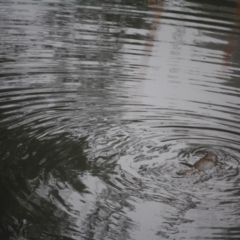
(209, 161)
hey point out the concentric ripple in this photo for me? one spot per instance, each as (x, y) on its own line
(101, 102)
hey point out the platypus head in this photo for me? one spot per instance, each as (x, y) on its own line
(212, 156)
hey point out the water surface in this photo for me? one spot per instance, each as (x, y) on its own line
(100, 102)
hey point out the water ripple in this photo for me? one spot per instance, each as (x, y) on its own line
(101, 102)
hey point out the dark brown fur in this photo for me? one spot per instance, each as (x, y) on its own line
(209, 161)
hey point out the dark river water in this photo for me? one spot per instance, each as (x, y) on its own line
(101, 102)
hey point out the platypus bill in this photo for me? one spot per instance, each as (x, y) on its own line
(209, 161)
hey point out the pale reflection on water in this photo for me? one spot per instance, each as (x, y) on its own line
(99, 104)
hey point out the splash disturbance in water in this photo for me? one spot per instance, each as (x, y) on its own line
(101, 102)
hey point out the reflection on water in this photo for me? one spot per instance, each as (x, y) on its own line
(101, 101)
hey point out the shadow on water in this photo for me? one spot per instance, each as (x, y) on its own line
(34, 178)
(46, 191)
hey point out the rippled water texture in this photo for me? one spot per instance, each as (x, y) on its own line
(100, 104)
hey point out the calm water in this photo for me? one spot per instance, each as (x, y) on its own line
(100, 102)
